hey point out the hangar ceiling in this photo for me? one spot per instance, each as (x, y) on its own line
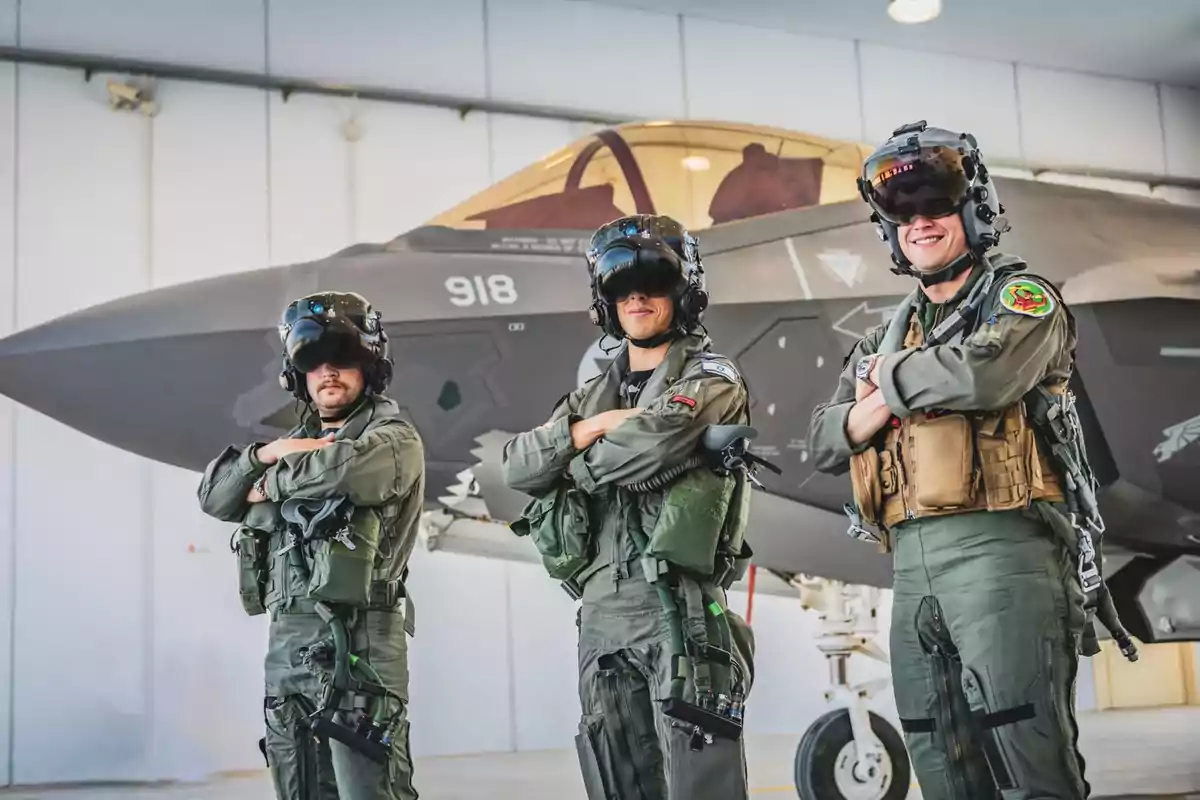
(1154, 40)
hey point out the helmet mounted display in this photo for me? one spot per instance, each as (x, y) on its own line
(932, 173)
(651, 254)
(336, 328)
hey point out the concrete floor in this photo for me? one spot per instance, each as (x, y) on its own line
(1129, 753)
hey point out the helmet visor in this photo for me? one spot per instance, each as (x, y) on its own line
(646, 266)
(312, 342)
(903, 186)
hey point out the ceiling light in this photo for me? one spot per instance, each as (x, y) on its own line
(913, 11)
(695, 163)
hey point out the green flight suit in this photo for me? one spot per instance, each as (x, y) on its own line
(628, 749)
(377, 462)
(988, 611)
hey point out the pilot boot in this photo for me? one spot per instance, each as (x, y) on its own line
(985, 630)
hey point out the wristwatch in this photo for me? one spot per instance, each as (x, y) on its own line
(862, 370)
(260, 485)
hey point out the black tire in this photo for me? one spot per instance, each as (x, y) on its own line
(816, 757)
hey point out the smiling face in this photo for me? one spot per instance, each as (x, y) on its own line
(642, 315)
(334, 388)
(931, 244)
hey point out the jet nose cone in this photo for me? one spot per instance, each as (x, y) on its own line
(172, 374)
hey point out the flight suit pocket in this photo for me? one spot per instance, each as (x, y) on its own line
(558, 524)
(250, 545)
(689, 525)
(595, 759)
(942, 467)
(343, 561)
(987, 723)
(865, 474)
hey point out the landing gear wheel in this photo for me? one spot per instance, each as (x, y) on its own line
(827, 766)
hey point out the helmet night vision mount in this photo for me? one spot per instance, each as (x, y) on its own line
(932, 172)
(649, 253)
(338, 328)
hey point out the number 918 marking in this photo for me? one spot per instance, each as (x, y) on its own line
(469, 291)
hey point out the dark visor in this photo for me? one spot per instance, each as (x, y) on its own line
(931, 183)
(312, 342)
(647, 266)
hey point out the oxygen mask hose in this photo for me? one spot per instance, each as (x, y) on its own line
(701, 719)
(324, 724)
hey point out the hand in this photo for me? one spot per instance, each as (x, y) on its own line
(255, 496)
(270, 453)
(867, 417)
(862, 389)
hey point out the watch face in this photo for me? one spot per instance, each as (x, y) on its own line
(863, 370)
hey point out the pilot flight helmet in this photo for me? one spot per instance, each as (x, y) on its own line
(931, 172)
(650, 253)
(339, 328)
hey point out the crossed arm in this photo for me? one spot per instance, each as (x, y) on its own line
(620, 446)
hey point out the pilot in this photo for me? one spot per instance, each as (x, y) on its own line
(327, 517)
(955, 423)
(649, 542)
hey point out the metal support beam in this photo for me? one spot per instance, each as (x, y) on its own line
(91, 64)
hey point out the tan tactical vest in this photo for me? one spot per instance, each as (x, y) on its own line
(951, 462)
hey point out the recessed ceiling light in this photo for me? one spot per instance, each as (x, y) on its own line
(914, 11)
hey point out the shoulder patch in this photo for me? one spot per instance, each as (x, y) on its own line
(1026, 296)
(714, 367)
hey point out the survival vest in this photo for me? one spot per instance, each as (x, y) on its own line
(938, 462)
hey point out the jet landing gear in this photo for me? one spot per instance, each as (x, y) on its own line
(849, 753)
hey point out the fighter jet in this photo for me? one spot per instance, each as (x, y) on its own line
(486, 305)
(486, 309)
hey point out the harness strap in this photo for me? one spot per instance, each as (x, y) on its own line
(697, 632)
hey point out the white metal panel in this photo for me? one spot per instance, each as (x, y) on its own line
(460, 655)
(214, 33)
(310, 178)
(961, 94)
(209, 218)
(8, 22)
(1070, 119)
(548, 52)
(210, 182)
(736, 73)
(402, 44)
(82, 622)
(518, 142)
(411, 164)
(545, 659)
(208, 654)
(1181, 123)
(7, 410)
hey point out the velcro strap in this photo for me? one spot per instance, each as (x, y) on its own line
(1006, 717)
(917, 725)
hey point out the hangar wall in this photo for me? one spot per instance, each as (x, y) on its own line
(123, 650)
